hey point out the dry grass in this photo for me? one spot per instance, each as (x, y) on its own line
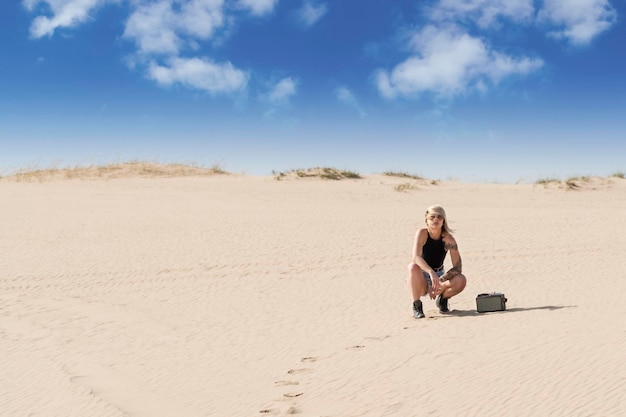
(576, 183)
(112, 171)
(405, 186)
(402, 175)
(324, 173)
(410, 185)
(419, 179)
(569, 184)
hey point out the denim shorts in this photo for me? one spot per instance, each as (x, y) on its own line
(427, 277)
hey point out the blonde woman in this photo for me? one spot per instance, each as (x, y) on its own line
(426, 271)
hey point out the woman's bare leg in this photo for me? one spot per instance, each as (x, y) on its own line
(454, 286)
(416, 282)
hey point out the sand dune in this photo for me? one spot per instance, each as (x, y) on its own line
(231, 295)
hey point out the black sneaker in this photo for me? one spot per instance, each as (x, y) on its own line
(442, 304)
(418, 312)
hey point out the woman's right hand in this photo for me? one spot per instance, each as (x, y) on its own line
(434, 279)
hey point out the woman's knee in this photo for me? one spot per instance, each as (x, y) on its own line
(414, 268)
(462, 282)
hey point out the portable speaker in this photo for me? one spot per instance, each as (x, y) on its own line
(487, 302)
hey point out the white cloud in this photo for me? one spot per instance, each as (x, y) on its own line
(282, 91)
(346, 97)
(579, 21)
(162, 30)
(201, 74)
(484, 12)
(311, 13)
(157, 28)
(258, 7)
(166, 28)
(153, 28)
(201, 17)
(449, 62)
(65, 13)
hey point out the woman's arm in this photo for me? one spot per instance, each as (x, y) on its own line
(457, 265)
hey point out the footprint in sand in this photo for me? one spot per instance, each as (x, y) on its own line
(377, 338)
(283, 383)
(298, 371)
(309, 359)
(275, 411)
(356, 347)
(293, 394)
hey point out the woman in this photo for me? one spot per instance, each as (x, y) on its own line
(426, 272)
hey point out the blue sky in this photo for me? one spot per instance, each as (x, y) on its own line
(477, 90)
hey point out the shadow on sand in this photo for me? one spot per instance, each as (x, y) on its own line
(468, 313)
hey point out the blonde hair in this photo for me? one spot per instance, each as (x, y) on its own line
(439, 210)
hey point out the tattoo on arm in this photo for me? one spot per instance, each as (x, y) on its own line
(453, 272)
(456, 269)
(450, 246)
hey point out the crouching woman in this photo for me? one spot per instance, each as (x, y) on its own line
(426, 273)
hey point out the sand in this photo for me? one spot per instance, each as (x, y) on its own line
(233, 295)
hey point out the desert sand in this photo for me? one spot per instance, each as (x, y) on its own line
(234, 295)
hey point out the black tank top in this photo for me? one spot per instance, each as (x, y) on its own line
(434, 252)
